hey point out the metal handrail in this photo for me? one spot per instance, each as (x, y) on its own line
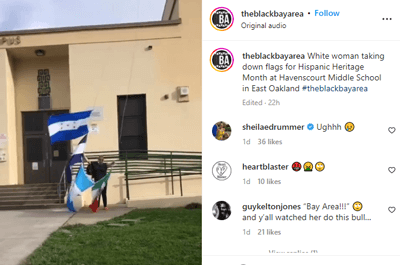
(146, 164)
(149, 164)
(59, 185)
(62, 181)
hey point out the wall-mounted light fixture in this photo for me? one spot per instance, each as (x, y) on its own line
(183, 93)
(40, 52)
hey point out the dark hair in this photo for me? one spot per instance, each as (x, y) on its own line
(219, 204)
(228, 210)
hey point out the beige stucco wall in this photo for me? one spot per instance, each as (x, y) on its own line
(100, 72)
(25, 73)
(12, 130)
(8, 169)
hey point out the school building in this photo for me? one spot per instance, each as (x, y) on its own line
(143, 81)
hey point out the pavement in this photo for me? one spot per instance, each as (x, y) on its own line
(21, 232)
(85, 215)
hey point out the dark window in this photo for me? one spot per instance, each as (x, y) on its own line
(33, 122)
(60, 151)
(132, 122)
(35, 149)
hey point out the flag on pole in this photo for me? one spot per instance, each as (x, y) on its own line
(82, 183)
(77, 157)
(95, 205)
(68, 126)
(97, 190)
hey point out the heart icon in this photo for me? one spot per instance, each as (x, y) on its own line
(392, 129)
(392, 209)
(392, 169)
(221, 169)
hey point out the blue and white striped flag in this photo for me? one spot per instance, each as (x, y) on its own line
(82, 183)
(77, 157)
(68, 126)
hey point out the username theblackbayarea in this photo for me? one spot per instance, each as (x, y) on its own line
(271, 13)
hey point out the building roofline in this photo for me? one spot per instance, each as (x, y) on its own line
(95, 27)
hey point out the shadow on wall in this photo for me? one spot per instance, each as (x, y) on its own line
(134, 185)
(173, 96)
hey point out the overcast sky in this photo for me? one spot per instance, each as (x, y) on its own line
(35, 14)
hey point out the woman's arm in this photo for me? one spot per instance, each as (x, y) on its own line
(111, 164)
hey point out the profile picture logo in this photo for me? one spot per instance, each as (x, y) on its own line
(221, 18)
(221, 60)
(221, 170)
(221, 210)
(221, 131)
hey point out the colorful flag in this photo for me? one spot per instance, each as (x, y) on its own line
(77, 157)
(81, 183)
(99, 186)
(68, 126)
(94, 206)
(97, 190)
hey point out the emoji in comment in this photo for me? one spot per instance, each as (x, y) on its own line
(349, 127)
(357, 206)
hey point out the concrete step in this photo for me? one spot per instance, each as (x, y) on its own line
(32, 206)
(16, 189)
(28, 193)
(29, 197)
(30, 202)
(30, 185)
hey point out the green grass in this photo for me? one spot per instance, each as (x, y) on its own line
(165, 236)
